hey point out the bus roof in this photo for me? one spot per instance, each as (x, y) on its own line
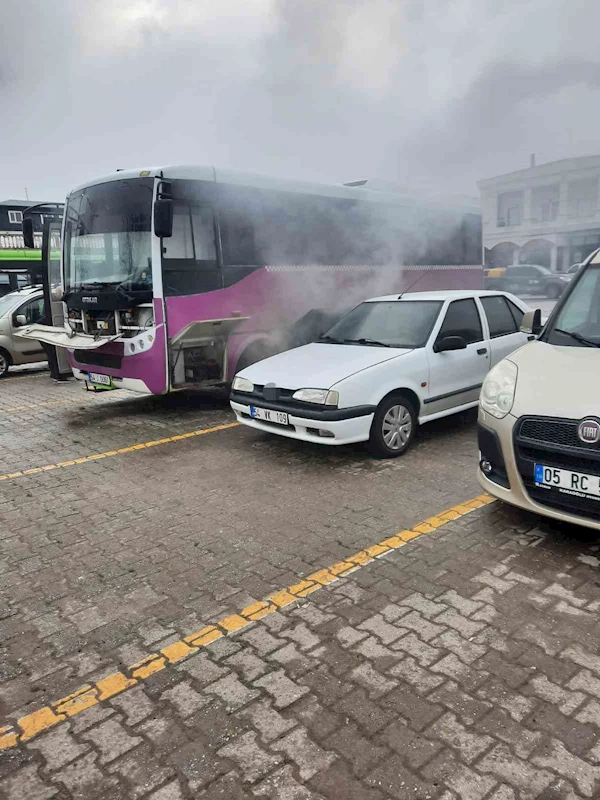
(403, 196)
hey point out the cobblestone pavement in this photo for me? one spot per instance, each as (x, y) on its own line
(463, 664)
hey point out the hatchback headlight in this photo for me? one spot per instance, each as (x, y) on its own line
(498, 390)
(321, 396)
(242, 385)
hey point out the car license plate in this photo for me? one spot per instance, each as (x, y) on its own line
(269, 416)
(567, 482)
(99, 380)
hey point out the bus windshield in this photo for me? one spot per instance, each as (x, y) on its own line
(108, 236)
(577, 324)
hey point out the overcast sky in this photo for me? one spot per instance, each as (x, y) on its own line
(424, 92)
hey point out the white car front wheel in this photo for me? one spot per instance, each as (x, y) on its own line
(393, 427)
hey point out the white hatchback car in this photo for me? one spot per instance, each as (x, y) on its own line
(390, 364)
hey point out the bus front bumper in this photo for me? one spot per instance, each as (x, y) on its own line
(342, 426)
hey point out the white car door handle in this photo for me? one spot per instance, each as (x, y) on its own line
(482, 351)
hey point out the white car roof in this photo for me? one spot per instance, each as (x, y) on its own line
(447, 294)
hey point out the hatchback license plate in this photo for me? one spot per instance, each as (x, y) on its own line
(269, 416)
(100, 380)
(567, 481)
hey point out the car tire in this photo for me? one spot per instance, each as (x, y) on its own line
(553, 291)
(393, 428)
(4, 362)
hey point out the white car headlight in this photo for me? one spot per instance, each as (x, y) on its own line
(321, 396)
(242, 385)
(498, 390)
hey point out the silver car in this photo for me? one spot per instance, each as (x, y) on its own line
(16, 310)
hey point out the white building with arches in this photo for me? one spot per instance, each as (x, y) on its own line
(547, 214)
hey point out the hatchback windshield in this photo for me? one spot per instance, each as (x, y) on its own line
(107, 236)
(578, 321)
(8, 301)
(405, 323)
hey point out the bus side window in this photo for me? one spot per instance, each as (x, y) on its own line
(190, 263)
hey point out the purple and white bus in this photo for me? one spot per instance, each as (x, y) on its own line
(177, 277)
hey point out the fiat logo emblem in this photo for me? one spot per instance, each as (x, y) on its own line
(589, 431)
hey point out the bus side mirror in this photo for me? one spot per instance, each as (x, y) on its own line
(532, 322)
(28, 232)
(163, 218)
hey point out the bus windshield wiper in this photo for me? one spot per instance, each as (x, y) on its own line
(578, 337)
(373, 342)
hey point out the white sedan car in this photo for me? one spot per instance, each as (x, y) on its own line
(389, 365)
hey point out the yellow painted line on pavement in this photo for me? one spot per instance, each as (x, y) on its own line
(92, 694)
(60, 402)
(131, 449)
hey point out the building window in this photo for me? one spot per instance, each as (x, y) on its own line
(15, 217)
(545, 203)
(583, 197)
(510, 209)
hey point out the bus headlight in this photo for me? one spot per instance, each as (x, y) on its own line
(321, 396)
(498, 390)
(242, 385)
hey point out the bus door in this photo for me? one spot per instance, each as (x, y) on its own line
(53, 305)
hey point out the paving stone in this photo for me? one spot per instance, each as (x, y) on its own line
(202, 669)
(232, 691)
(84, 779)
(134, 704)
(418, 602)
(282, 785)
(111, 739)
(583, 775)
(26, 784)
(306, 755)
(269, 722)
(171, 791)
(261, 640)
(58, 747)
(302, 636)
(424, 653)
(359, 751)
(468, 784)
(415, 749)
(500, 724)
(465, 626)
(348, 636)
(249, 665)
(421, 679)
(396, 780)
(376, 684)
(142, 771)
(418, 711)
(465, 650)
(253, 760)
(451, 731)
(227, 787)
(529, 780)
(337, 782)
(283, 690)
(424, 629)
(198, 765)
(384, 631)
(185, 698)
(460, 603)
(549, 691)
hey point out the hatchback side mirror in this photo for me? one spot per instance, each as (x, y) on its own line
(449, 343)
(532, 322)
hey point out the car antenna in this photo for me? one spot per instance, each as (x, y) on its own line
(422, 275)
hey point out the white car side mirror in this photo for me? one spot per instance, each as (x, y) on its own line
(21, 320)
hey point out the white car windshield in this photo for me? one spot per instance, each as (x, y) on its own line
(405, 323)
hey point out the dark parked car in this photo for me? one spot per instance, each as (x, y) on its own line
(532, 279)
